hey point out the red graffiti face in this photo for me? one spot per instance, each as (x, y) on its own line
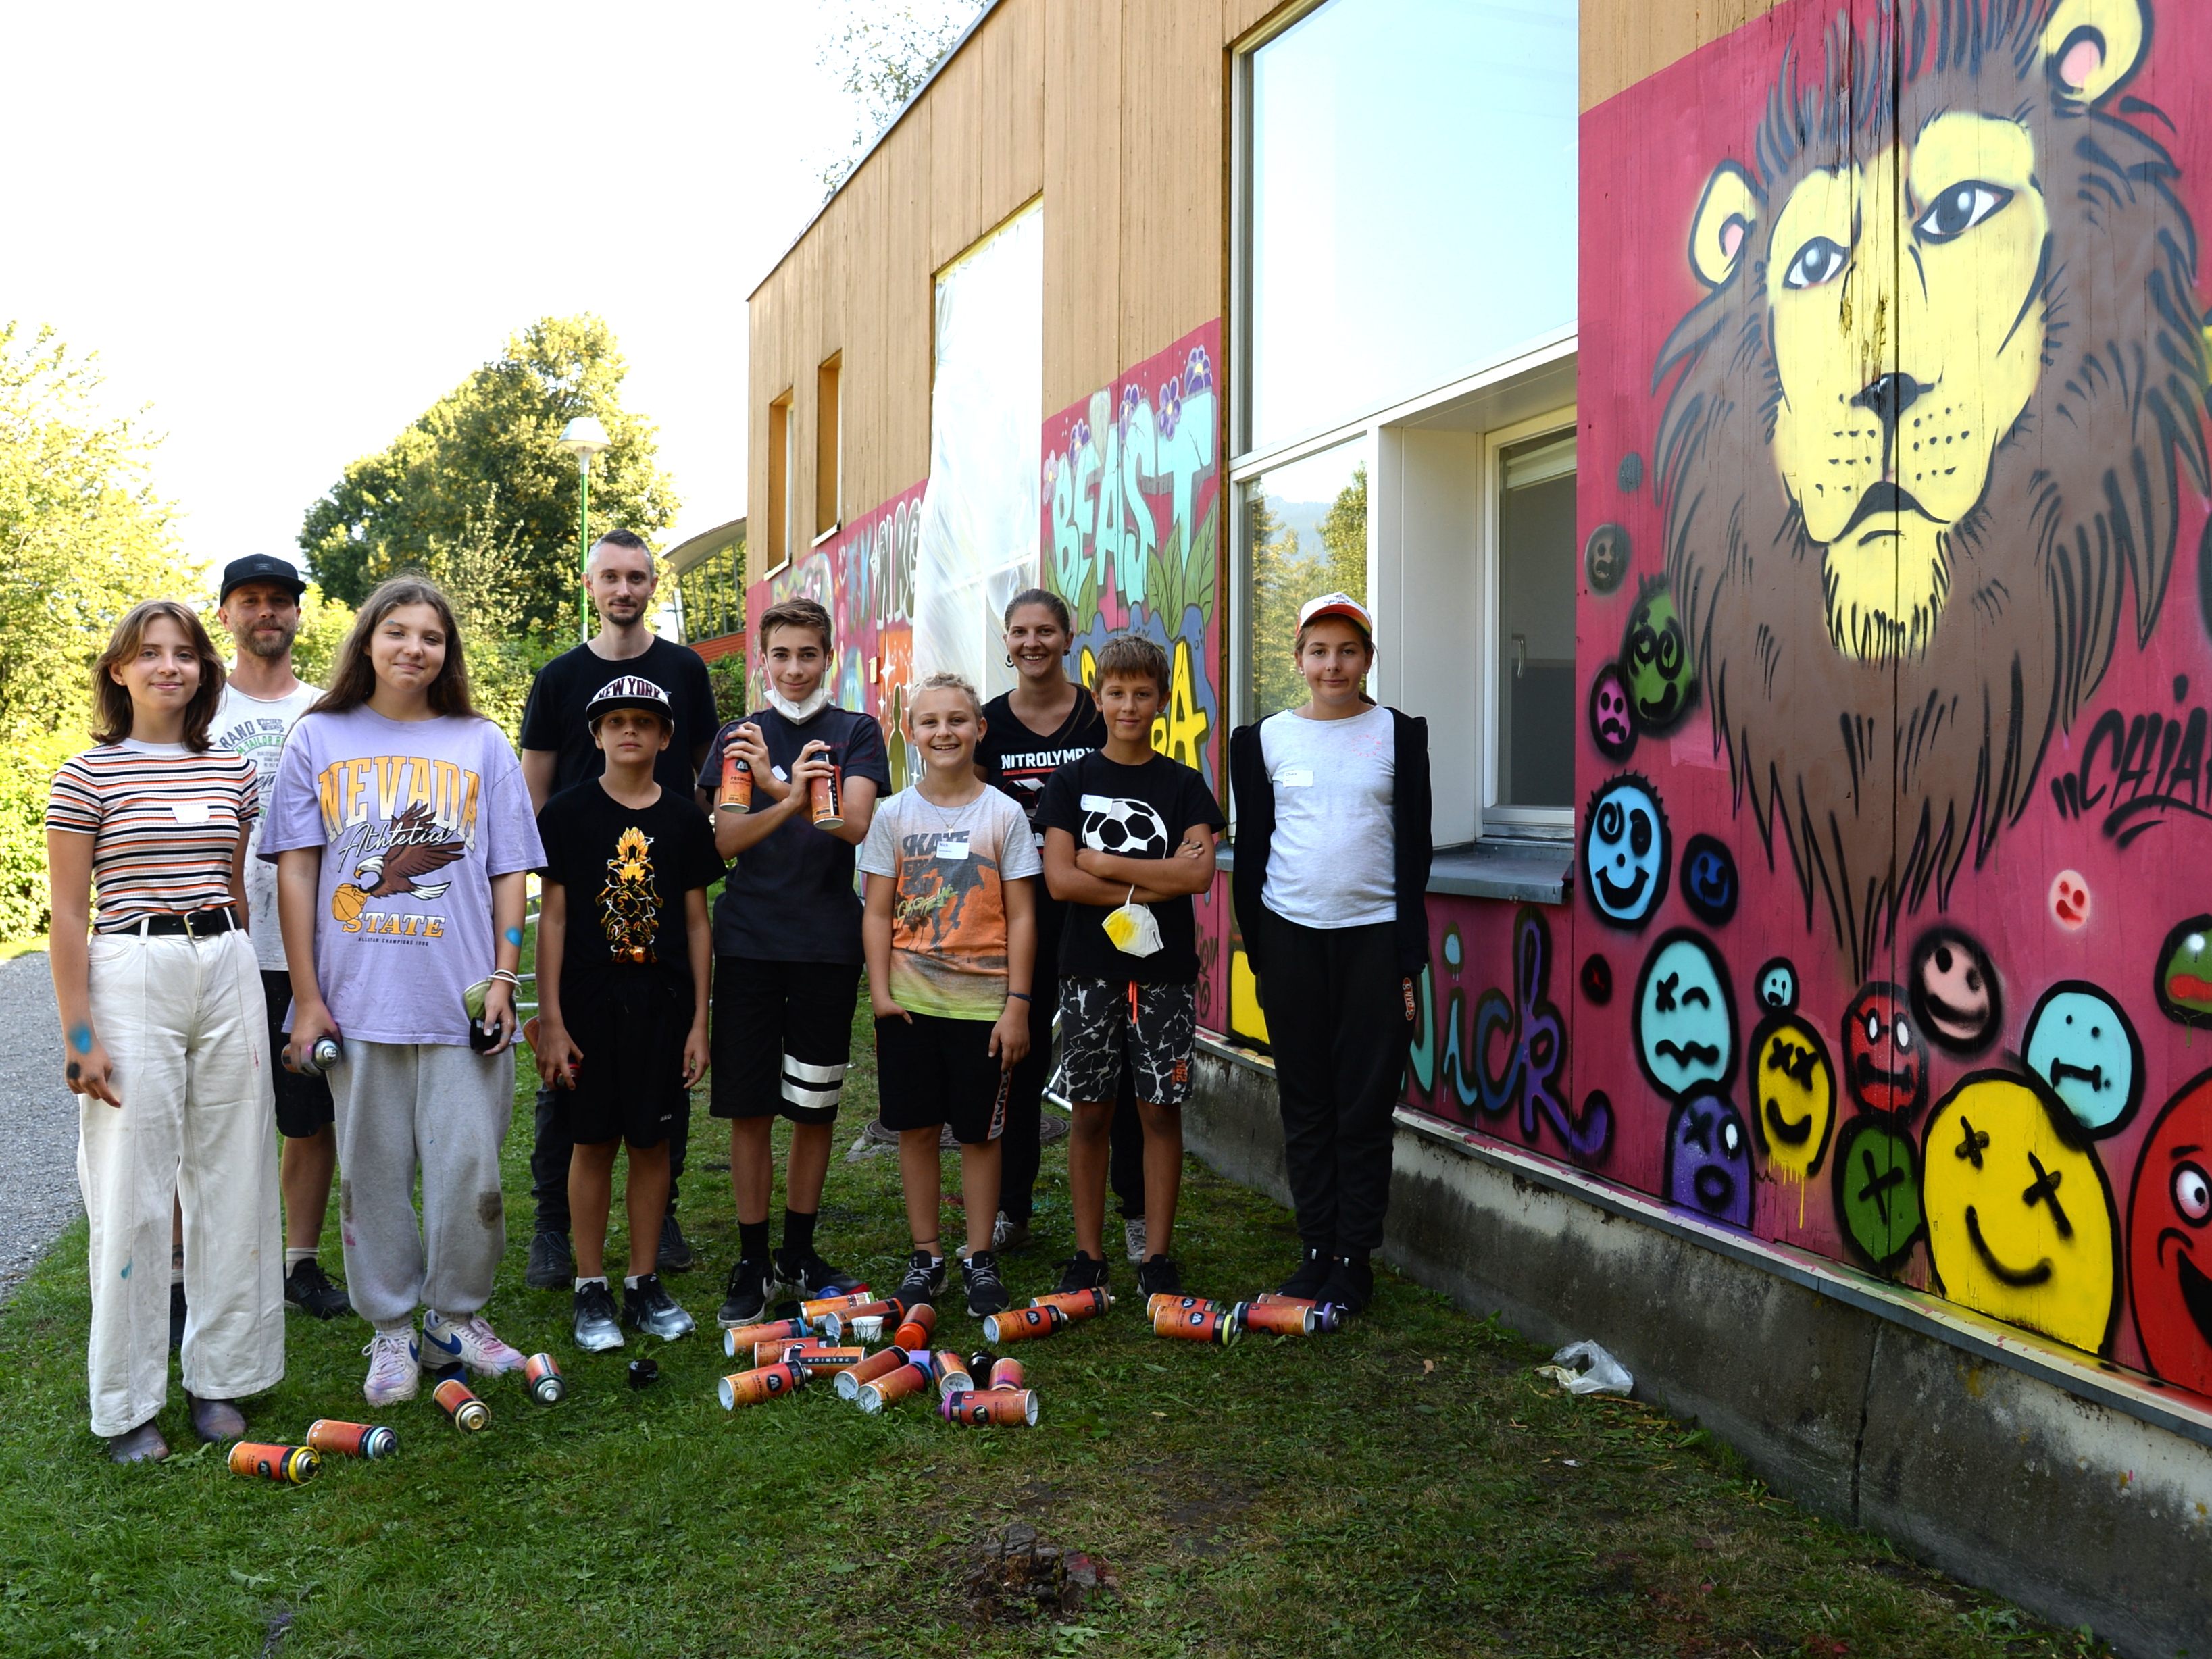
(1885, 1067)
(2170, 1240)
(2070, 900)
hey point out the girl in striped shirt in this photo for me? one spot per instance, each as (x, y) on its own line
(165, 1038)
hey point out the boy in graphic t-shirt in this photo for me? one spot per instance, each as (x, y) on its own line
(623, 952)
(787, 945)
(1128, 826)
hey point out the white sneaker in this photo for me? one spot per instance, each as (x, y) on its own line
(394, 1369)
(1133, 1230)
(471, 1341)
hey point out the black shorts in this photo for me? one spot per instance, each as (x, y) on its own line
(629, 1028)
(1106, 1022)
(782, 1037)
(304, 1107)
(936, 1071)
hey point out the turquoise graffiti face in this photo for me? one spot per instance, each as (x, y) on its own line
(1625, 850)
(1685, 1016)
(2080, 1042)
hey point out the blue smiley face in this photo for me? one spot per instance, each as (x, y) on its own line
(1685, 1016)
(1627, 851)
(1709, 884)
(2080, 1042)
(1777, 985)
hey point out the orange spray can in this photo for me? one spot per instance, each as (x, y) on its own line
(751, 1388)
(826, 798)
(952, 1374)
(469, 1413)
(920, 1325)
(286, 1465)
(1006, 1374)
(1219, 1325)
(1014, 1407)
(332, 1438)
(1161, 1299)
(737, 793)
(745, 1336)
(1076, 1305)
(909, 1378)
(881, 1363)
(1022, 1324)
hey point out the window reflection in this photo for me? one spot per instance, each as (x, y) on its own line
(1535, 642)
(1305, 535)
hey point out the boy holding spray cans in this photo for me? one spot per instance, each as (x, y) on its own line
(800, 791)
(950, 930)
(1129, 839)
(623, 953)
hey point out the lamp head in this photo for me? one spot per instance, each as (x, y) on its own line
(584, 437)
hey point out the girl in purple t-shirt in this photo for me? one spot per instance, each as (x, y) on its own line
(402, 836)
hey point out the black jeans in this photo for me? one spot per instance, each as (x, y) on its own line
(548, 1161)
(1337, 1021)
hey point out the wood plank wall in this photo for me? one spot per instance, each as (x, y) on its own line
(1117, 113)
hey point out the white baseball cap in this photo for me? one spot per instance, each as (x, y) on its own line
(1337, 604)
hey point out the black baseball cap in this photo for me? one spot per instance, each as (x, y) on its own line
(630, 691)
(260, 568)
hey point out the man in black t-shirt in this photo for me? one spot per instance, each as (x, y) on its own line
(557, 755)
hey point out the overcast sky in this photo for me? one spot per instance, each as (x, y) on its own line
(291, 228)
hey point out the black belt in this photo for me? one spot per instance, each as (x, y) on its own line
(195, 924)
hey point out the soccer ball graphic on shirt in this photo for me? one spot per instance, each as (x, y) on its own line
(1127, 828)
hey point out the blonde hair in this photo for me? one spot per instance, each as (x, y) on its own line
(944, 682)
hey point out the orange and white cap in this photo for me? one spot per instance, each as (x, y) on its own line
(1337, 604)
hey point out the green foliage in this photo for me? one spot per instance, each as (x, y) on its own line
(880, 53)
(713, 593)
(324, 624)
(483, 571)
(727, 676)
(494, 437)
(1284, 576)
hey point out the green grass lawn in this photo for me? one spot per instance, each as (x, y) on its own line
(1405, 1486)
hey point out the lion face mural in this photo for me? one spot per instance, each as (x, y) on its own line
(1926, 429)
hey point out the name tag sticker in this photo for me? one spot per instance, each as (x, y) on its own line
(191, 811)
(1295, 777)
(1098, 803)
(952, 846)
(781, 776)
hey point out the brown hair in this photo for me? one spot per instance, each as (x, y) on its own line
(111, 702)
(1049, 600)
(352, 679)
(1132, 656)
(794, 613)
(945, 681)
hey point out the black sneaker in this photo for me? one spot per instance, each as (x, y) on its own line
(552, 1263)
(1160, 1276)
(176, 1316)
(647, 1308)
(1312, 1275)
(676, 1256)
(987, 1291)
(309, 1289)
(746, 1297)
(1083, 1273)
(1351, 1283)
(597, 1329)
(812, 1277)
(924, 1280)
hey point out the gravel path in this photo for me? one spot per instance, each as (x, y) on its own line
(37, 1149)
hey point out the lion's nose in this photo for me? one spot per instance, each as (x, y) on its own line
(1888, 397)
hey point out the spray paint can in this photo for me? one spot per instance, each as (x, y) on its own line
(919, 1326)
(736, 790)
(1278, 1318)
(1021, 1324)
(745, 1336)
(816, 1359)
(328, 1436)
(952, 1374)
(1076, 1305)
(881, 1363)
(547, 1386)
(327, 1052)
(812, 1312)
(1160, 1299)
(826, 798)
(1221, 1325)
(286, 1465)
(839, 1322)
(1010, 1408)
(469, 1413)
(895, 1385)
(1006, 1374)
(751, 1388)
(1327, 1315)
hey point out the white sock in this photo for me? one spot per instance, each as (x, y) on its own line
(629, 1281)
(293, 1258)
(600, 1280)
(404, 1327)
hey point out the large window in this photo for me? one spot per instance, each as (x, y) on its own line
(1305, 533)
(780, 439)
(1411, 184)
(828, 447)
(1532, 644)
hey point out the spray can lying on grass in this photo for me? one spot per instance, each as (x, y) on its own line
(745, 1336)
(1006, 1374)
(1076, 1305)
(1286, 1318)
(332, 1438)
(1008, 1407)
(815, 1359)
(469, 1415)
(813, 1312)
(1161, 1299)
(837, 1323)
(1022, 1324)
(286, 1465)
(547, 1386)
(881, 1363)
(952, 1374)
(1222, 1325)
(754, 1387)
(894, 1385)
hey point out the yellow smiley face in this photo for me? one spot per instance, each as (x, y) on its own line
(2020, 1220)
(1793, 1096)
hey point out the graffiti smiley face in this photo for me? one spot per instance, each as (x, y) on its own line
(1793, 1095)
(1885, 1067)
(1685, 1016)
(2079, 1043)
(1777, 985)
(1878, 1192)
(1613, 729)
(2020, 1220)
(1597, 980)
(2170, 1239)
(1708, 1160)
(1627, 851)
(1605, 557)
(2184, 985)
(1709, 882)
(1655, 661)
(2069, 901)
(1956, 1000)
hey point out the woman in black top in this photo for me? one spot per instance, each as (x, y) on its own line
(1046, 720)
(1330, 883)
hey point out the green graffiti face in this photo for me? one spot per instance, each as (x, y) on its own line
(1878, 1193)
(1655, 660)
(2185, 973)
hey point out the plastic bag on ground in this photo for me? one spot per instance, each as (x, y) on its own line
(1586, 1368)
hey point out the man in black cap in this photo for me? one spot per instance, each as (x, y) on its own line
(558, 753)
(261, 698)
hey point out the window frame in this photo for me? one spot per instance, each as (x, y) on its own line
(828, 447)
(780, 443)
(1545, 823)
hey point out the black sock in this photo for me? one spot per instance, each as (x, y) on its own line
(799, 1233)
(752, 1240)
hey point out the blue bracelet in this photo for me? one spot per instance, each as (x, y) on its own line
(1024, 995)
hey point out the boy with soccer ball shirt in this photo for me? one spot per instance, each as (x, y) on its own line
(1127, 826)
(950, 929)
(624, 948)
(787, 946)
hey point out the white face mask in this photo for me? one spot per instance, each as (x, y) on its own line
(1133, 928)
(800, 712)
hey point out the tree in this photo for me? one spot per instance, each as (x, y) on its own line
(1344, 539)
(498, 430)
(880, 51)
(1280, 575)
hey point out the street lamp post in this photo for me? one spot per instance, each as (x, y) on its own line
(584, 437)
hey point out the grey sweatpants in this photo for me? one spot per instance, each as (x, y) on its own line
(441, 1108)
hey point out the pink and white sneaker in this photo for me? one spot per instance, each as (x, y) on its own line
(472, 1342)
(394, 1371)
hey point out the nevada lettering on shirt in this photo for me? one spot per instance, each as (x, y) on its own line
(352, 792)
